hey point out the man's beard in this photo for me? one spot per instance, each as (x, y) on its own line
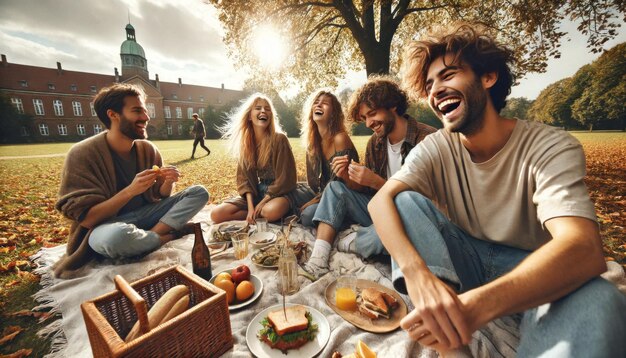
(388, 124)
(475, 104)
(128, 129)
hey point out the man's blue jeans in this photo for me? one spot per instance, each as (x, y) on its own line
(340, 206)
(127, 235)
(589, 322)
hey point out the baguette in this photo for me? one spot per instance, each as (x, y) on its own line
(159, 310)
(178, 308)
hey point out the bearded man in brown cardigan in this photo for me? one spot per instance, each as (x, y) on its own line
(115, 189)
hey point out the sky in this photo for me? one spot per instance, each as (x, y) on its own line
(181, 39)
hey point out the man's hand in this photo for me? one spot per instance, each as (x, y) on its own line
(438, 320)
(169, 174)
(363, 175)
(142, 182)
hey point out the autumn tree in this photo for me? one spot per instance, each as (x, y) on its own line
(329, 37)
(602, 97)
(12, 123)
(554, 105)
(516, 107)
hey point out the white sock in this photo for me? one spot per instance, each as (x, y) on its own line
(321, 251)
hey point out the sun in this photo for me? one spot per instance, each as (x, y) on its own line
(269, 47)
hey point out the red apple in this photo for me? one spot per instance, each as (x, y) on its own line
(241, 273)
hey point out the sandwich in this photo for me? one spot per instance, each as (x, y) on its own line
(374, 303)
(290, 333)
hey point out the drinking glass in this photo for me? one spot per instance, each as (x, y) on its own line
(345, 293)
(240, 244)
(261, 225)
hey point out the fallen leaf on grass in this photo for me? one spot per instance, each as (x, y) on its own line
(19, 354)
(12, 283)
(9, 333)
(28, 313)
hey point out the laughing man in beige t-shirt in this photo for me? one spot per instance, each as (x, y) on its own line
(490, 216)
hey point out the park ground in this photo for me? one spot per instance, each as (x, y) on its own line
(29, 180)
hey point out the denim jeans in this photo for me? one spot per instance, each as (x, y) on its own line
(589, 322)
(340, 206)
(128, 235)
(306, 216)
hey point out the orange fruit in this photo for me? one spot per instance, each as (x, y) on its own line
(363, 351)
(245, 289)
(229, 287)
(223, 276)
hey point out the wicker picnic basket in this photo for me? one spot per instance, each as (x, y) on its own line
(201, 331)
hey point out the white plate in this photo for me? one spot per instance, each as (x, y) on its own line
(258, 288)
(310, 349)
(268, 237)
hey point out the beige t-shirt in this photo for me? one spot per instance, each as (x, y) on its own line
(536, 176)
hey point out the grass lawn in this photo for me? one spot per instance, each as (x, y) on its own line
(28, 220)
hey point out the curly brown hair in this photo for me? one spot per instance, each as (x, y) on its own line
(468, 44)
(378, 92)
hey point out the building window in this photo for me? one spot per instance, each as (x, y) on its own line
(24, 83)
(201, 98)
(189, 112)
(180, 129)
(19, 107)
(73, 88)
(179, 112)
(38, 107)
(80, 129)
(189, 98)
(58, 107)
(43, 129)
(92, 89)
(24, 132)
(51, 86)
(151, 111)
(174, 96)
(78, 109)
(97, 128)
(169, 129)
(168, 112)
(201, 112)
(93, 109)
(62, 129)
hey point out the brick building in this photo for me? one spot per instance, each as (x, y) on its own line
(61, 100)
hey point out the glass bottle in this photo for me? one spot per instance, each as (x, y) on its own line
(200, 256)
(288, 270)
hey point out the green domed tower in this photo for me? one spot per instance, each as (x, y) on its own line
(133, 57)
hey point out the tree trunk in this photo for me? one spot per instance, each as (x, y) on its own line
(377, 59)
(591, 127)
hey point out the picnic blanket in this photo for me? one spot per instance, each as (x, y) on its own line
(69, 336)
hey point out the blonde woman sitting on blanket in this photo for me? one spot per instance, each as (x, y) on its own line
(326, 137)
(266, 169)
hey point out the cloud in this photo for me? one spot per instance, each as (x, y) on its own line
(180, 39)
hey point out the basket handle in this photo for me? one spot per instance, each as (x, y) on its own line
(138, 302)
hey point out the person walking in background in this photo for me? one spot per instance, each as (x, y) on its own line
(490, 216)
(115, 189)
(199, 133)
(266, 168)
(382, 105)
(325, 136)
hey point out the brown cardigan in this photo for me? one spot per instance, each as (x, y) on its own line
(283, 165)
(87, 179)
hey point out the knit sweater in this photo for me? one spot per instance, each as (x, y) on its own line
(88, 178)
